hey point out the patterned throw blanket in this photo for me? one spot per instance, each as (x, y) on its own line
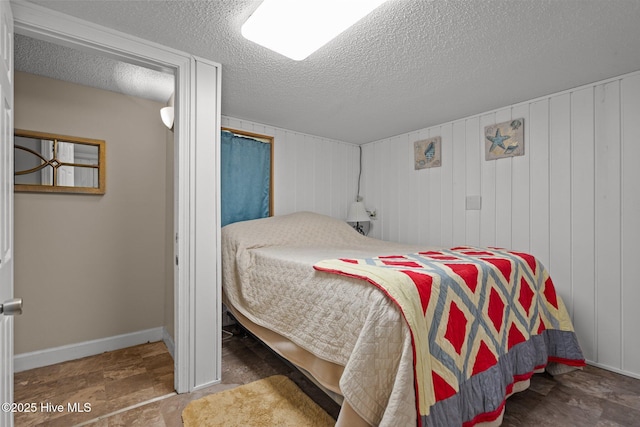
(481, 320)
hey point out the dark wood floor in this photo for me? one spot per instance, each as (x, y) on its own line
(589, 397)
(115, 383)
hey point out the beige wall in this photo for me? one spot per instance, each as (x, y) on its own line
(91, 267)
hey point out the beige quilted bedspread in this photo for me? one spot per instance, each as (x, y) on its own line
(268, 275)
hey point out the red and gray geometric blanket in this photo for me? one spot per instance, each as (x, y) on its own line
(481, 320)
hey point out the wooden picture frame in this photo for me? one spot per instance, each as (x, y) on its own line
(51, 163)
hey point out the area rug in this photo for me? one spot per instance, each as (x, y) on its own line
(272, 401)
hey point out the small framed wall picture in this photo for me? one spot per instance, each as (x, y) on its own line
(504, 139)
(427, 153)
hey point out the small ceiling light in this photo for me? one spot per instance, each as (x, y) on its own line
(297, 28)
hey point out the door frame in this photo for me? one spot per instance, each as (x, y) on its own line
(6, 212)
(196, 366)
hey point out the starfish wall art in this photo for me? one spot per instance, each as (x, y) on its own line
(504, 139)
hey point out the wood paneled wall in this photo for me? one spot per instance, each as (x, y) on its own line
(573, 200)
(310, 173)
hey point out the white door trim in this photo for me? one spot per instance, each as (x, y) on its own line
(42, 23)
(6, 211)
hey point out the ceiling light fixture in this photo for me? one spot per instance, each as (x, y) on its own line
(297, 28)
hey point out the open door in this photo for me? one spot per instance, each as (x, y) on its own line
(8, 306)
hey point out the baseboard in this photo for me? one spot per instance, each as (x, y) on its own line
(168, 341)
(616, 370)
(50, 356)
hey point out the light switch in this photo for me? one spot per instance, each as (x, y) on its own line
(474, 203)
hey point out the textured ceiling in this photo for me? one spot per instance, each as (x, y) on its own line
(408, 65)
(63, 63)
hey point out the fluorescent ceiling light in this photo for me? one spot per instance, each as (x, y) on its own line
(297, 28)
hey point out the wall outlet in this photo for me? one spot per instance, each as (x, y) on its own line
(474, 203)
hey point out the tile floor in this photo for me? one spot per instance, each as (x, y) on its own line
(113, 382)
(117, 383)
(108, 382)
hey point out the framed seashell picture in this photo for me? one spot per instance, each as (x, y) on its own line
(504, 139)
(427, 153)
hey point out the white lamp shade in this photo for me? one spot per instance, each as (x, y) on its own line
(357, 213)
(166, 114)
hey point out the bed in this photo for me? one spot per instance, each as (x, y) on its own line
(390, 330)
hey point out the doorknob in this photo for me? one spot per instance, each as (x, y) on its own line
(11, 307)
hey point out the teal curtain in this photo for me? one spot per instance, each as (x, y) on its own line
(245, 175)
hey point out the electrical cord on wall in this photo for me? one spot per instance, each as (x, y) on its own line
(358, 198)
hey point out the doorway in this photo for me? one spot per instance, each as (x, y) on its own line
(83, 252)
(197, 226)
(86, 251)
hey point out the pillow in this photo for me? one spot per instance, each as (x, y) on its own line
(296, 229)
